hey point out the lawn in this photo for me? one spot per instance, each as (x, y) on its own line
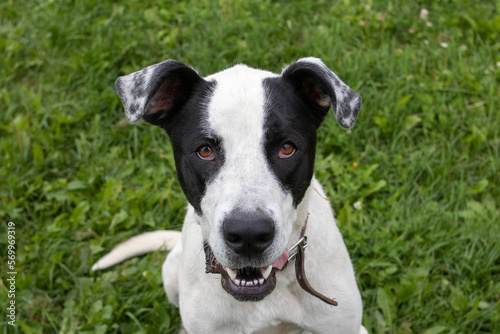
(415, 184)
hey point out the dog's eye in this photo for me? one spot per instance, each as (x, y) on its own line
(206, 153)
(286, 151)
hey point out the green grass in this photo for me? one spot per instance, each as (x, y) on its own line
(423, 159)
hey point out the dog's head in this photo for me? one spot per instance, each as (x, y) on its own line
(244, 145)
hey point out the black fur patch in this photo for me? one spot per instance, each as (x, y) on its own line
(188, 130)
(289, 119)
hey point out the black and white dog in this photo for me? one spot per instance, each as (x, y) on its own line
(244, 146)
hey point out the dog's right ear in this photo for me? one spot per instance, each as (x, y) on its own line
(157, 91)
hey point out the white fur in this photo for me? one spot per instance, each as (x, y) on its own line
(245, 181)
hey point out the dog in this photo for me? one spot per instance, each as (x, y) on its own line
(244, 143)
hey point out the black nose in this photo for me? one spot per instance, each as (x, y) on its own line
(248, 233)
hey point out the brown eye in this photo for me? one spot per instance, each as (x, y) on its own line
(286, 151)
(206, 153)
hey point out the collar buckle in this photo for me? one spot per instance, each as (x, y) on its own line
(294, 249)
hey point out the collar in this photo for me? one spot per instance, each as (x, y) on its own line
(297, 253)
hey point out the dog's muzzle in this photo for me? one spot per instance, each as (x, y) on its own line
(253, 284)
(246, 284)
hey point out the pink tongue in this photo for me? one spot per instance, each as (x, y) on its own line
(280, 262)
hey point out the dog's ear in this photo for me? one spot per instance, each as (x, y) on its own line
(157, 91)
(320, 88)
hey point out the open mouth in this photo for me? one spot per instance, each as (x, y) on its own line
(249, 283)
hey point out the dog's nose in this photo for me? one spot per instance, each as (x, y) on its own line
(248, 233)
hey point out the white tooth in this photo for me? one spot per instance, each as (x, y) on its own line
(237, 282)
(266, 272)
(243, 282)
(232, 273)
(249, 283)
(255, 282)
(261, 281)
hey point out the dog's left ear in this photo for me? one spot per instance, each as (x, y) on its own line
(320, 88)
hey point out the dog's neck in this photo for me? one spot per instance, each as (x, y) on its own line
(298, 249)
(302, 215)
